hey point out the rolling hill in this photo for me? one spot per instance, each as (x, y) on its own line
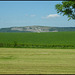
(37, 29)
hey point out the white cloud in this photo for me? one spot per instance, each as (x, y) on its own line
(32, 15)
(51, 16)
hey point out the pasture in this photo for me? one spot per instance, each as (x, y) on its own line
(37, 61)
(54, 40)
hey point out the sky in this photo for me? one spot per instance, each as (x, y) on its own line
(29, 13)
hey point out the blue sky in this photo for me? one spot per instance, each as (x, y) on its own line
(28, 13)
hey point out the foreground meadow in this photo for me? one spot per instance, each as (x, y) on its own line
(37, 61)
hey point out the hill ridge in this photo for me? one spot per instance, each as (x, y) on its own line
(36, 28)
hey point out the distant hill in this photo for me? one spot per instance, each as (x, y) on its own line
(37, 29)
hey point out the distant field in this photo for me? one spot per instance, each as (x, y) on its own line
(37, 61)
(38, 40)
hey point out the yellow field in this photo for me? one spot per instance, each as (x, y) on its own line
(37, 61)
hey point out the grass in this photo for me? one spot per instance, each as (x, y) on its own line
(37, 61)
(38, 40)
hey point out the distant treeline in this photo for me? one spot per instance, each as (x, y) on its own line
(18, 45)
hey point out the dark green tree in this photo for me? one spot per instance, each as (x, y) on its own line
(66, 8)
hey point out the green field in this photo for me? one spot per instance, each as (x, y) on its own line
(38, 40)
(33, 53)
(37, 61)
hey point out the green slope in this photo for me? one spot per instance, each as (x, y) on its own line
(38, 40)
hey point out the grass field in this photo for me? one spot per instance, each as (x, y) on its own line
(38, 40)
(37, 61)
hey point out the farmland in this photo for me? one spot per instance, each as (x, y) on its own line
(37, 61)
(38, 40)
(37, 53)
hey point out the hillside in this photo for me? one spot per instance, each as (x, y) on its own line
(37, 29)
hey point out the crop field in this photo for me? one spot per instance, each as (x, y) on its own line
(64, 40)
(37, 61)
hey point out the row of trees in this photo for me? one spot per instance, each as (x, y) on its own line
(17, 45)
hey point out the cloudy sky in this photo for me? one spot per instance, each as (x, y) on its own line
(28, 13)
